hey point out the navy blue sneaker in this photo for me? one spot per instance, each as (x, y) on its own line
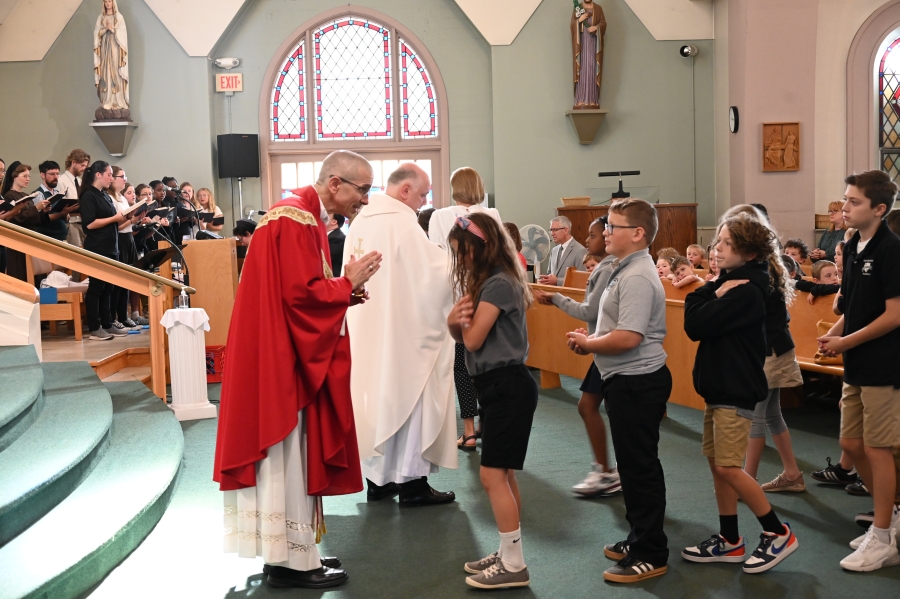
(771, 551)
(716, 549)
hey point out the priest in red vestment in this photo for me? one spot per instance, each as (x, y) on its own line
(286, 434)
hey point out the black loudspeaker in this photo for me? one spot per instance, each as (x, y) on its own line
(238, 155)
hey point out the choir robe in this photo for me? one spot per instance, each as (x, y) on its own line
(286, 432)
(402, 377)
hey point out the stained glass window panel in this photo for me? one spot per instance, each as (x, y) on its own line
(353, 80)
(889, 113)
(288, 118)
(417, 97)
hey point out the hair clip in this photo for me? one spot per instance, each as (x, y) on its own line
(466, 225)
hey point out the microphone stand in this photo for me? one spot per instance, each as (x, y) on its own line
(187, 273)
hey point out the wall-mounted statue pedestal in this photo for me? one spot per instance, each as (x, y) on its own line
(587, 123)
(115, 135)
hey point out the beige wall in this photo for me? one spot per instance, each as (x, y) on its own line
(772, 66)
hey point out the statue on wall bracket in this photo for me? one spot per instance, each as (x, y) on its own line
(111, 64)
(588, 28)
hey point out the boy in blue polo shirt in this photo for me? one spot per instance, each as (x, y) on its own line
(868, 335)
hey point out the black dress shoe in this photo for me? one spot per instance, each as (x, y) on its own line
(377, 493)
(320, 578)
(327, 562)
(417, 493)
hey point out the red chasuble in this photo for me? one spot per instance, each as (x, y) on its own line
(285, 353)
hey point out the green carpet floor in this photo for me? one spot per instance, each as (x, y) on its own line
(419, 553)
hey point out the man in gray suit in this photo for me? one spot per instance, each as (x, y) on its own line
(567, 252)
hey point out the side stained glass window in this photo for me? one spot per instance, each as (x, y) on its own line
(416, 95)
(289, 100)
(889, 111)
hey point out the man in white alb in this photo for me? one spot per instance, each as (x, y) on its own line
(402, 376)
(567, 252)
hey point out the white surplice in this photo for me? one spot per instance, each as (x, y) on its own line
(276, 519)
(402, 375)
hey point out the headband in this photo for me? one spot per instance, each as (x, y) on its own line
(466, 225)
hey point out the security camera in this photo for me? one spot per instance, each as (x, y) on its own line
(688, 51)
(227, 63)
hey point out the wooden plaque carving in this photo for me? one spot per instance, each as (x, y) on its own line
(780, 147)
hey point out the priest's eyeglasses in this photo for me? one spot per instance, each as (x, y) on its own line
(611, 228)
(364, 190)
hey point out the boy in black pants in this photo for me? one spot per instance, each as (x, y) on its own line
(727, 317)
(868, 336)
(627, 348)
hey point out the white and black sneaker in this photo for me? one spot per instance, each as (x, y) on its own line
(631, 569)
(834, 474)
(130, 324)
(858, 488)
(616, 551)
(100, 335)
(117, 329)
(716, 549)
(599, 483)
(771, 551)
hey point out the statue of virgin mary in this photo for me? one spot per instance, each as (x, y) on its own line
(111, 64)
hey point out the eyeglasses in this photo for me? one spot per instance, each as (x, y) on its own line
(119, 177)
(552, 230)
(611, 228)
(364, 190)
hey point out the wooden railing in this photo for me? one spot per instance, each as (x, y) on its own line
(156, 288)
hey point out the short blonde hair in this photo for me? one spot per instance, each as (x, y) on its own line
(667, 253)
(821, 265)
(588, 257)
(466, 186)
(699, 249)
(835, 205)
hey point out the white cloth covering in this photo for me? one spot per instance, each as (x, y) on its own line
(402, 351)
(276, 519)
(442, 221)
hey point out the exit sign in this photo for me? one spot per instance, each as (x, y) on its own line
(229, 82)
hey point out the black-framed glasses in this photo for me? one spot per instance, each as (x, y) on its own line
(364, 189)
(611, 228)
(552, 230)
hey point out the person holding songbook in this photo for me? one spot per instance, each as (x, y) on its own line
(22, 210)
(211, 217)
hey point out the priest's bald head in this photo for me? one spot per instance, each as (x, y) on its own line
(410, 185)
(344, 182)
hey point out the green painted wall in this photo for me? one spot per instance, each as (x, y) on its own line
(647, 89)
(46, 106)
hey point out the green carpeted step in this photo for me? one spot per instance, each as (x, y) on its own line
(21, 379)
(58, 450)
(77, 543)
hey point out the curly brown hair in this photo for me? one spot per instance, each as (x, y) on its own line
(779, 277)
(468, 276)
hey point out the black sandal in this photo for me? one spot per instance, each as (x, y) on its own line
(462, 443)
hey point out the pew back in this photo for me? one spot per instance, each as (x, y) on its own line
(576, 279)
(804, 318)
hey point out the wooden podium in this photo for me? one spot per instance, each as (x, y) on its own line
(213, 273)
(677, 224)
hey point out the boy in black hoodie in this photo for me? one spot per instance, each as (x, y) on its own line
(727, 317)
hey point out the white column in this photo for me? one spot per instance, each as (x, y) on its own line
(187, 362)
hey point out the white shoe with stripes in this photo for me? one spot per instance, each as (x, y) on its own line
(631, 569)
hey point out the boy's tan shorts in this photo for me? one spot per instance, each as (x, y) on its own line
(725, 436)
(871, 414)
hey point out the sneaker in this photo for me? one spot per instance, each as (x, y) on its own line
(140, 320)
(782, 483)
(858, 488)
(771, 551)
(117, 331)
(716, 549)
(482, 564)
(617, 551)
(834, 474)
(496, 576)
(872, 554)
(631, 569)
(130, 324)
(598, 483)
(866, 519)
(100, 335)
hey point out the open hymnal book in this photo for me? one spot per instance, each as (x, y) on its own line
(8, 205)
(135, 209)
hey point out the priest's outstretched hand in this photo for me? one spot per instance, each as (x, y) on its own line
(360, 271)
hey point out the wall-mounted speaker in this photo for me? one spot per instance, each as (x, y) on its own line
(238, 155)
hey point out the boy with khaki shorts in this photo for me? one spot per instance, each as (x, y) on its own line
(868, 335)
(727, 316)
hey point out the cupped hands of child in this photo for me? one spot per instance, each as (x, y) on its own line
(542, 297)
(576, 340)
(461, 313)
(729, 285)
(830, 345)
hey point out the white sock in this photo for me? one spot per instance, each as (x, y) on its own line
(882, 534)
(511, 550)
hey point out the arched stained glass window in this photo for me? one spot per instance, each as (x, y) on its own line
(889, 111)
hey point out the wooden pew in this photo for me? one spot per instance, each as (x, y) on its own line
(547, 328)
(804, 318)
(576, 279)
(680, 350)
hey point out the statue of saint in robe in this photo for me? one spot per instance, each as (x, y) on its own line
(588, 28)
(111, 64)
